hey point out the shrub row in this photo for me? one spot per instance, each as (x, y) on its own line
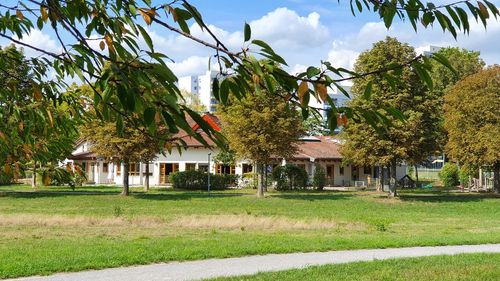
(197, 180)
(290, 177)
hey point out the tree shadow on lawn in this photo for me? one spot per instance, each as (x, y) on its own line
(447, 197)
(186, 195)
(314, 196)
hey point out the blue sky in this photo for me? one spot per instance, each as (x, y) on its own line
(304, 32)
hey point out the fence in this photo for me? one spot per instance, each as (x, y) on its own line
(424, 173)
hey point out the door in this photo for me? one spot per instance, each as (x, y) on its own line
(166, 169)
(330, 176)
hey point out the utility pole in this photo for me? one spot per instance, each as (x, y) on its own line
(209, 154)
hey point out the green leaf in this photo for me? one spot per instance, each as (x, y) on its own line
(389, 13)
(368, 91)
(247, 32)
(146, 37)
(215, 89)
(312, 71)
(444, 61)
(149, 115)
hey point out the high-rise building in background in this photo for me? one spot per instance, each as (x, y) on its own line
(201, 85)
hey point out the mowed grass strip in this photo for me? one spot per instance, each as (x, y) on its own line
(56, 229)
(480, 267)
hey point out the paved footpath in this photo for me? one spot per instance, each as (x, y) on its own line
(201, 269)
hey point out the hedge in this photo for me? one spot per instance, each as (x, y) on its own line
(197, 180)
(290, 177)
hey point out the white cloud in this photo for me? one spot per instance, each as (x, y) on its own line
(297, 38)
(40, 40)
(193, 65)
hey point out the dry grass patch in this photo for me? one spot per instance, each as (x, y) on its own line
(37, 220)
(250, 222)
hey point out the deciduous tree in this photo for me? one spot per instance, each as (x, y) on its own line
(259, 127)
(124, 73)
(472, 120)
(410, 138)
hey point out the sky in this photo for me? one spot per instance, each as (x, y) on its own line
(304, 32)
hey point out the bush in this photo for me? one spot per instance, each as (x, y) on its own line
(198, 180)
(290, 177)
(248, 180)
(59, 176)
(5, 179)
(319, 178)
(463, 175)
(449, 175)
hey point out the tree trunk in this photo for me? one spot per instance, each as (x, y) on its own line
(392, 181)
(265, 178)
(416, 177)
(126, 167)
(382, 178)
(146, 184)
(33, 177)
(496, 178)
(260, 186)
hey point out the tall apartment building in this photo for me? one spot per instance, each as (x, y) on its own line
(201, 85)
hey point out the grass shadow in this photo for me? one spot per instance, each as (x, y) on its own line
(186, 195)
(314, 196)
(436, 197)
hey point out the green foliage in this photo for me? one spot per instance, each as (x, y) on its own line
(197, 180)
(290, 177)
(464, 175)
(472, 120)
(34, 125)
(319, 178)
(6, 178)
(249, 180)
(225, 157)
(449, 175)
(60, 176)
(412, 137)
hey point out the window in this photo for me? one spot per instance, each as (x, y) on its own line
(150, 172)
(190, 166)
(367, 170)
(104, 167)
(203, 167)
(134, 169)
(246, 168)
(341, 170)
(118, 169)
(225, 169)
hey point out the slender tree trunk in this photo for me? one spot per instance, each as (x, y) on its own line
(392, 181)
(126, 167)
(416, 176)
(33, 177)
(265, 178)
(496, 178)
(382, 178)
(260, 186)
(146, 184)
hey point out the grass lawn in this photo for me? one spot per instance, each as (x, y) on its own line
(57, 229)
(439, 268)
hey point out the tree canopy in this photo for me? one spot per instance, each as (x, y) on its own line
(259, 127)
(33, 127)
(472, 120)
(412, 137)
(133, 84)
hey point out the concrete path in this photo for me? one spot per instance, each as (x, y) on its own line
(195, 270)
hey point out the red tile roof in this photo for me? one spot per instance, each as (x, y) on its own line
(318, 148)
